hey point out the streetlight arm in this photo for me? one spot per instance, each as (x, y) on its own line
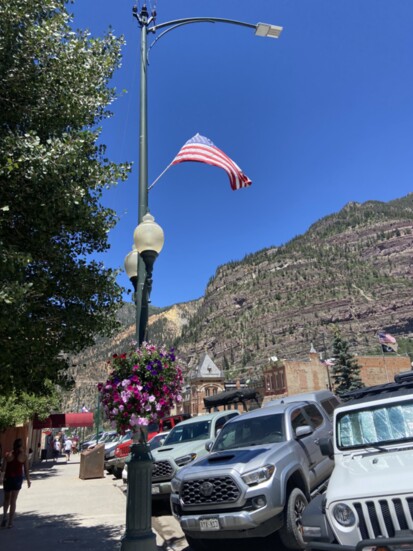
(178, 22)
(261, 29)
(181, 24)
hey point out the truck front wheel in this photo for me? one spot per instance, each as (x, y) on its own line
(291, 533)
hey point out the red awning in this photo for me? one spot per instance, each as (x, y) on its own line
(59, 420)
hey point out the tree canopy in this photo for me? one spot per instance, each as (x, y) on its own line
(54, 92)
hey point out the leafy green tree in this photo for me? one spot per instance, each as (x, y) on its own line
(54, 299)
(346, 371)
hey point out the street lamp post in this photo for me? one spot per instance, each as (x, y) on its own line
(148, 242)
(138, 264)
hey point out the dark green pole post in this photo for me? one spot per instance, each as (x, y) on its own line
(143, 163)
(139, 535)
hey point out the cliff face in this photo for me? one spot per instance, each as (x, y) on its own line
(352, 269)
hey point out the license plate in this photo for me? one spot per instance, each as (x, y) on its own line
(209, 524)
(156, 490)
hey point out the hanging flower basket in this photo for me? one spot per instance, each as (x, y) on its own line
(143, 386)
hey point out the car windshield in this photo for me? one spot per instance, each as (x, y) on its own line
(126, 436)
(156, 441)
(252, 431)
(111, 438)
(199, 430)
(384, 424)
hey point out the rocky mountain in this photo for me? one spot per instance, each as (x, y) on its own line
(352, 269)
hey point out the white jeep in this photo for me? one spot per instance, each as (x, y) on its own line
(370, 493)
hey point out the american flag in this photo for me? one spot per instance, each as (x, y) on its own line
(202, 150)
(385, 338)
(388, 343)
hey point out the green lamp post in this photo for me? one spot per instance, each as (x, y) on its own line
(148, 242)
(138, 265)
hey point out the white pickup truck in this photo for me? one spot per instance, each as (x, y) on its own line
(369, 499)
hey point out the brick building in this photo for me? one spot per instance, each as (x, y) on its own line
(205, 380)
(286, 377)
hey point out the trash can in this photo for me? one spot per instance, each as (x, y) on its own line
(43, 455)
(92, 463)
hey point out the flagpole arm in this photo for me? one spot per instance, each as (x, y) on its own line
(159, 177)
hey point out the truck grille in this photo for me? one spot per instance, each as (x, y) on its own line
(384, 516)
(210, 490)
(162, 470)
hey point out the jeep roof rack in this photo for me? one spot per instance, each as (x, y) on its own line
(403, 385)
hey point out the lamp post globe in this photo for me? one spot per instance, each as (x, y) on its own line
(148, 236)
(131, 266)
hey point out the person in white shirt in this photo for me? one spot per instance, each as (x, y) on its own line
(56, 449)
(68, 448)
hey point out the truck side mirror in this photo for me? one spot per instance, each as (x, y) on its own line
(304, 430)
(208, 445)
(326, 447)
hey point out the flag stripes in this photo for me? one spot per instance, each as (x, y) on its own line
(201, 149)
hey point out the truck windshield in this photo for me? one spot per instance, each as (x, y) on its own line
(385, 424)
(185, 433)
(256, 431)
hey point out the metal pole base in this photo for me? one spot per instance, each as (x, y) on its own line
(138, 535)
(146, 542)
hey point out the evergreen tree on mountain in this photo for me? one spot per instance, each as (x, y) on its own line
(346, 371)
(53, 93)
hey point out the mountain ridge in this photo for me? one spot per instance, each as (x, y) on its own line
(352, 269)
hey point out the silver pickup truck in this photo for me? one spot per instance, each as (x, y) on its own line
(263, 469)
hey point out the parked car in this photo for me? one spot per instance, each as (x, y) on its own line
(327, 400)
(91, 440)
(110, 448)
(264, 467)
(107, 438)
(185, 443)
(155, 442)
(116, 463)
(370, 493)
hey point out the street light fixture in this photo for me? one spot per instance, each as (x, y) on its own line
(138, 535)
(266, 30)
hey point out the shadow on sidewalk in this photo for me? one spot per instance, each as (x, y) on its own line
(48, 533)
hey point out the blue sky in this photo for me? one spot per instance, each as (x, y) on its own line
(320, 117)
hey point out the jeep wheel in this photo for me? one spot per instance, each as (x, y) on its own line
(291, 533)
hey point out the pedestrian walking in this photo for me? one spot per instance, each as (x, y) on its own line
(15, 464)
(68, 447)
(56, 449)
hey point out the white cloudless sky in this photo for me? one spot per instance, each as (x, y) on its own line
(317, 118)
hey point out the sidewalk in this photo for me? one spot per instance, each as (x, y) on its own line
(60, 511)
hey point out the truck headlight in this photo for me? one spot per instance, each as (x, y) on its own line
(344, 514)
(258, 475)
(175, 485)
(185, 459)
